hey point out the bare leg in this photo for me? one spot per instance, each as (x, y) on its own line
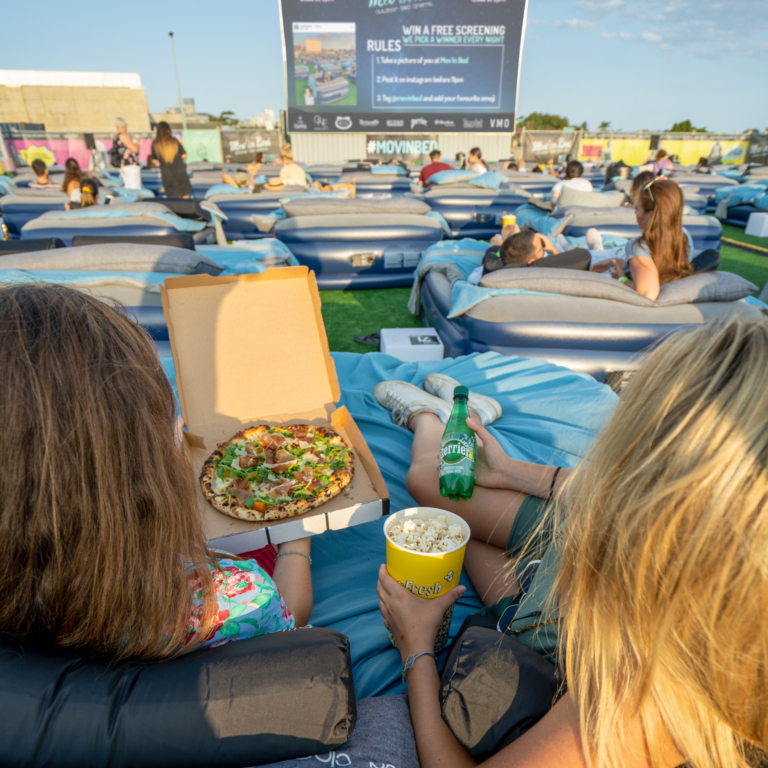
(490, 512)
(490, 571)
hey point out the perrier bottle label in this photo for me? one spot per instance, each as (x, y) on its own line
(458, 451)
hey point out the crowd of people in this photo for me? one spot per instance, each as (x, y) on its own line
(642, 571)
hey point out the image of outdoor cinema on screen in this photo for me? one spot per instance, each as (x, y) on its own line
(324, 64)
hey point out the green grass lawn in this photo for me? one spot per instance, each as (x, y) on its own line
(751, 266)
(351, 313)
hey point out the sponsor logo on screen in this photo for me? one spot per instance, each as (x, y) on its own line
(395, 123)
(368, 123)
(299, 124)
(343, 123)
(500, 122)
(417, 121)
(321, 122)
(473, 123)
(400, 146)
(446, 123)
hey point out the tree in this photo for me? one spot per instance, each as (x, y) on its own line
(583, 126)
(686, 127)
(604, 125)
(227, 118)
(541, 121)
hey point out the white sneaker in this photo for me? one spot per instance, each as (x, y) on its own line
(404, 399)
(442, 386)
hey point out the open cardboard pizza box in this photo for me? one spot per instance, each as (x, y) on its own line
(252, 349)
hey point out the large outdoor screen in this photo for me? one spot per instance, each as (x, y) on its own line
(417, 66)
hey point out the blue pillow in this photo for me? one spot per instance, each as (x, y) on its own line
(451, 177)
(488, 180)
(389, 170)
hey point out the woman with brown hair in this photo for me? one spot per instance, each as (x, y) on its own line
(73, 175)
(170, 154)
(662, 252)
(102, 547)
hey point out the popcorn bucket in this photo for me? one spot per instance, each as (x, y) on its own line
(427, 575)
(508, 220)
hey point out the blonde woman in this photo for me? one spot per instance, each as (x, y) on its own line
(653, 580)
(125, 155)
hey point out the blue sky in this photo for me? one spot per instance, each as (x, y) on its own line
(635, 63)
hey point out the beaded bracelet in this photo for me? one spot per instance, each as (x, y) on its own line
(409, 662)
(303, 554)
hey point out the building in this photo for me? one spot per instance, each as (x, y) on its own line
(77, 102)
(173, 117)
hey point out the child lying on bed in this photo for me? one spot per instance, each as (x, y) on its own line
(103, 546)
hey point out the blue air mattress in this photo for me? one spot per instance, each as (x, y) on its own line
(472, 211)
(705, 231)
(240, 209)
(738, 215)
(538, 184)
(17, 210)
(329, 93)
(359, 250)
(706, 184)
(151, 179)
(586, 334)
(377, 183)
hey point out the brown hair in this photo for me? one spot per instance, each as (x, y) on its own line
(661, 154)
(72, 172)
(518, 248)
(166, 145)
(664, 234)
(98, 512)
(89, 193)
(646, 177)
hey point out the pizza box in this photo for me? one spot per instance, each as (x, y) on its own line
(249, 350)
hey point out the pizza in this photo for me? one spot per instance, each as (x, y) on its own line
(268, 473)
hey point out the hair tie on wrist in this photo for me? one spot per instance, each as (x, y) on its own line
(303, 554)
(409, 662)
(552, 486)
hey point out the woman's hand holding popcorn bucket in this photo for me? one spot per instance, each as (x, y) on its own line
(420, 582)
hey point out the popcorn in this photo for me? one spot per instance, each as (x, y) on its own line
(427, 536)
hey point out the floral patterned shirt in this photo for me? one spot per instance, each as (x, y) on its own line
(248, 600)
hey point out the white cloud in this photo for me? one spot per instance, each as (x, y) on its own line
(600, 5)
(579, 24)
(608, 35)
(650, 37)
(626, 36)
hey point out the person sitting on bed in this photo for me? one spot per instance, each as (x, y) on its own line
(662, 252)
(244, 180)
(527, 248)
(103, 547)
(41, 177)
(573, 173)
(641, 572)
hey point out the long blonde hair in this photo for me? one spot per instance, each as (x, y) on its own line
(663, 576)
(166, 144)
(98, 512)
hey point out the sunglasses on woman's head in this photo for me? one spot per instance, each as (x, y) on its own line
(648, 187)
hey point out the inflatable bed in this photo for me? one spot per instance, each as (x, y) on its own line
(696, 202)
(25, 205)
(301, 72)
(539, 184)
(136, 219)
(330, 92)
(578, 319)
(358, 243)
(471, 209)
(239, 207)
(705, 184)
(387, 178)
(736, 204)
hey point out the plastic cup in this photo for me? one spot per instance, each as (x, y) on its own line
(428, 575)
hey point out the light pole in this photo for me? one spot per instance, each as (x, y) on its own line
(178, 85)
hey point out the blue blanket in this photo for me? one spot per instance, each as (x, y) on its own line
(746, 193)
(241, 258)
(551, 415)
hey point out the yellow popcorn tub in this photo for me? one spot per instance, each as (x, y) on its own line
(427, 575)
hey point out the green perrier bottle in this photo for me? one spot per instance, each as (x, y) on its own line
(458, 451)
